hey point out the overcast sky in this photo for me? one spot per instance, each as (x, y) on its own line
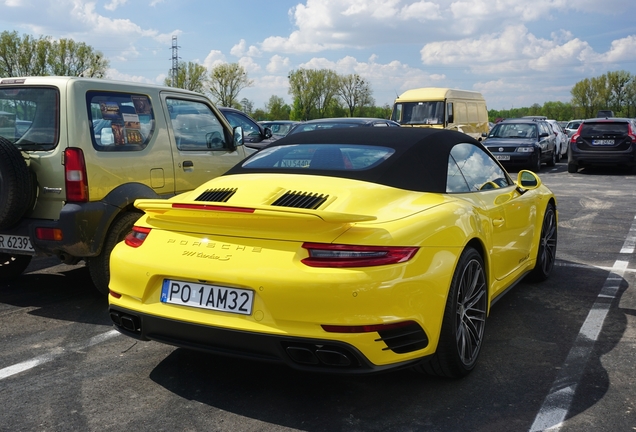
(515, 52)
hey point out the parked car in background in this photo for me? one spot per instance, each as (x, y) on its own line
(342, 122)
(523, 142)
(280, 128)
(605, 113)
(359, 251)
(75, 154)
(572, 127)
(255, 136)
(561, 139)
(603, 141)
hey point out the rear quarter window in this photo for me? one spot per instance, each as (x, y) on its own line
(120, 121)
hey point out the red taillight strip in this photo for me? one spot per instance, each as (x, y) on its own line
(212, 207)
(137, 236)
(366, 328)
(339, 255)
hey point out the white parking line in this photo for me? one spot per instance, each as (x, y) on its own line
(630, 241)
(557, 404)
(45, 358)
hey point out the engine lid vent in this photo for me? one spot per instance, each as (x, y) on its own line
(304, 200)
(216, 195)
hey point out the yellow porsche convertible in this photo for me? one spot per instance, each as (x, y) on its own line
(349, 250)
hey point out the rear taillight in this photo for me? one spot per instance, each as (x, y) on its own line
(75, 175)
(137, 236)
(576, 134)
(337, 255)
(631, 133)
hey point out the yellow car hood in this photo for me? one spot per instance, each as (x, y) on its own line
(281, 206)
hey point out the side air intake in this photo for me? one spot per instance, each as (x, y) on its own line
(303, 200)
(216, 195)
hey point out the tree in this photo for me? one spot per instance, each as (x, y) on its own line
(69, 58)
(313, 91)
(354, 92)
(226, 82)
(277, 108)
(583, 96)
(247, 106)
(617, 83)
(190, 76)
(28, 56)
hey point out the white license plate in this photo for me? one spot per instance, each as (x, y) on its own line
(15, 243)
(213, 297)
(294, 163)
(603, 142)
(502, 157)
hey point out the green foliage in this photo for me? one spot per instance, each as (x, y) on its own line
(28, 56)
(226, 82)
(190, 76)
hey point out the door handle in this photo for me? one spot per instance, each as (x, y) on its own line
(188, 164)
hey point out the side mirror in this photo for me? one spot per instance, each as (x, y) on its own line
(238, 136)
(543, 134)
(528, 180)
(267, 133)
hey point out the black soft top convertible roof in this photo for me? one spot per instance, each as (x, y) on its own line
(420, 161)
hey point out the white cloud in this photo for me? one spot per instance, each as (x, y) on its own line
(278, 64)
(249, 65)
(213, 59)
(241, 50)
(114, 4)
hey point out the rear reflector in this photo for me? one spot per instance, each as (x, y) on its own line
(49, 234)
(366, 328)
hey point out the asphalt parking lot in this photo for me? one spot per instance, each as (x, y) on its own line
(558, 355)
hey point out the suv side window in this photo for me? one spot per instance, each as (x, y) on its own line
(249, 128)
(479, 171)
(120, 121)
(195, 126)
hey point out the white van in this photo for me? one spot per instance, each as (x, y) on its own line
(443, 108)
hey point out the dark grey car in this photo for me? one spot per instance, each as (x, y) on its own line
(603, 141)
(522, 142)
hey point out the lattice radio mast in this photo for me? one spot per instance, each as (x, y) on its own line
(175, 62)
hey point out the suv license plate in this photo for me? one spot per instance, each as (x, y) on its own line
(502, 157)
(15, 243)
(213, 297)
(603, 142)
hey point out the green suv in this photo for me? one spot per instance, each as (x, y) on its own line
(75, 154)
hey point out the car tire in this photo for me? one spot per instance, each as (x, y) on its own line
(546, 253)
(536, 164)
(17, 184)
(464, 320)
(12, 266)
(99, 266)
(553, 158)
(572, 168)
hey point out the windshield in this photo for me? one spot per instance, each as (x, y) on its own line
(28, 117)
(431, 113)
(513, 130)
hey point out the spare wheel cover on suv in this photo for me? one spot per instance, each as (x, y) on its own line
(17, 184)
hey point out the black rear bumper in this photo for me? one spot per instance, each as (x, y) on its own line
(299, 353)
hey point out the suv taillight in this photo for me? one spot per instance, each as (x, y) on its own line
(75, 175)
(630, 132)
(576, 134)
